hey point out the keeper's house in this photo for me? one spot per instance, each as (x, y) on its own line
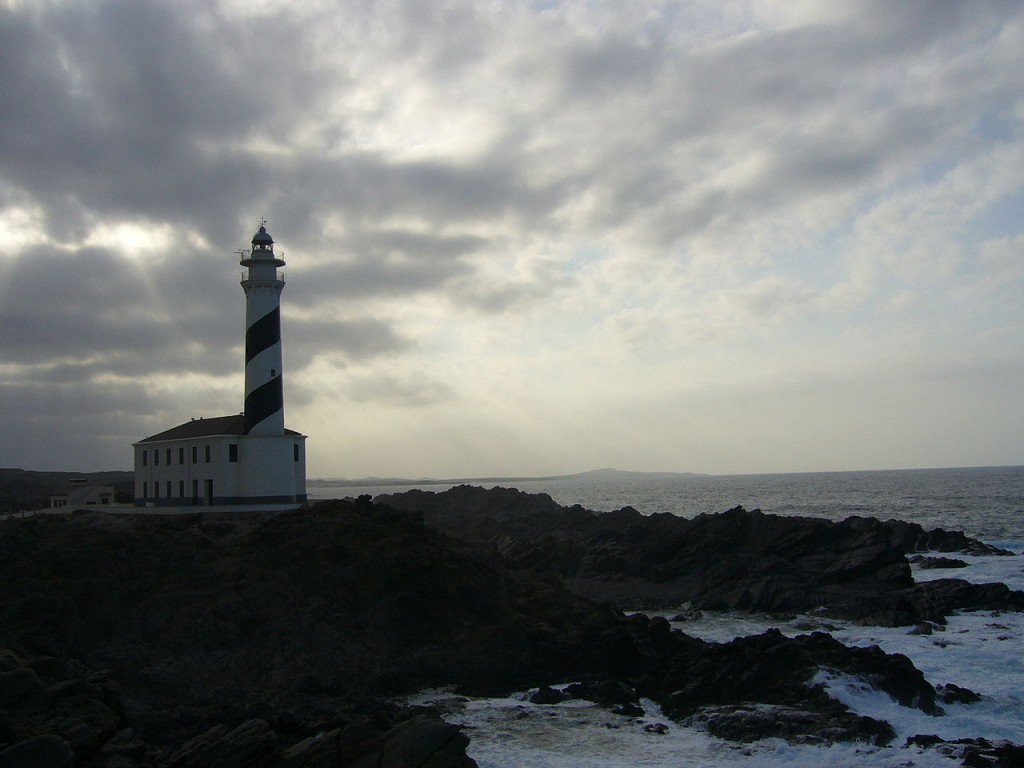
(207, 462)
(247, 459)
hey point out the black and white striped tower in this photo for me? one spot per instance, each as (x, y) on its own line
(264, 390)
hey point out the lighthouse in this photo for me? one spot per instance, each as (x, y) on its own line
(247, 460)
(264, 388)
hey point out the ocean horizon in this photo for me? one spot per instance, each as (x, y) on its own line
(985, 502)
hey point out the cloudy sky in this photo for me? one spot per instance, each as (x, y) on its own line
(522, 238)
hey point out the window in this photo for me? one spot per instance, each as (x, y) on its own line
(295, 452)
(168, 457)
(156, 490)
(168, 485)
(156, 457)
(195, 454)
(145, 490)
(207, 454)
(233, 452)
(181, 456)
(145, 459)
(181, 488)
(195, 488)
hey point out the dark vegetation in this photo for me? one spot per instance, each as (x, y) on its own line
(251, 640)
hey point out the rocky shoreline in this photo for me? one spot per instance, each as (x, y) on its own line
(291, 639)
(856, 570)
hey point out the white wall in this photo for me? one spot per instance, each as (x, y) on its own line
(266, 469)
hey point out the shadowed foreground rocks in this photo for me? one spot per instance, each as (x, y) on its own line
(287, 640)
(856, 569)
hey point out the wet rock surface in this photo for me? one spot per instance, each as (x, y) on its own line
(974, 753)
(749, 723)
(287, 639)
(928, 563)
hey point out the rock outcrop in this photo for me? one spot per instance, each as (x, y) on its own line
(246, 636)
(59, 713)
(856, 569)
(286, 639)
(759, 686)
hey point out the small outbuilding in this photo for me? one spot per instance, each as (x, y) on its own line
(81, 492)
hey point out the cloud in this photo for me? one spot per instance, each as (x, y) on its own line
(403, 390)
(527, 228)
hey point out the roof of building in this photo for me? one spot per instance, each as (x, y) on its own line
(219, 425)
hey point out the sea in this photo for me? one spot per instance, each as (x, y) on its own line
(982, 651)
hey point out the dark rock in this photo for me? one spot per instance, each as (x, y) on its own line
(48, 750)
(323, 750)
(548, 695)
(72, 711)
(688, 614)
(954, 694)
(17, 685)
(422, 742)
(923, 740)
(975, 753)
(938, 562)
(79, 735)
(368, 601)
(251, 745)
(813, 625)
(1008, 755)
(300, 623)
(774, 669)
(936, 599)
(911, 537)
(51, 668)
(89, 720)
(359, 740)
(629, 709)
(747, 723)
(739, 559)
(75, 686)
(607, 693)
(733, 684)
(124, 743)
(425, 742)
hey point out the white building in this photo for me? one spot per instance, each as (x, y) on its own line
(82, 493)
(244, 459)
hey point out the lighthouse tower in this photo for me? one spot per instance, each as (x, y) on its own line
(264, 390)
(247, 460)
